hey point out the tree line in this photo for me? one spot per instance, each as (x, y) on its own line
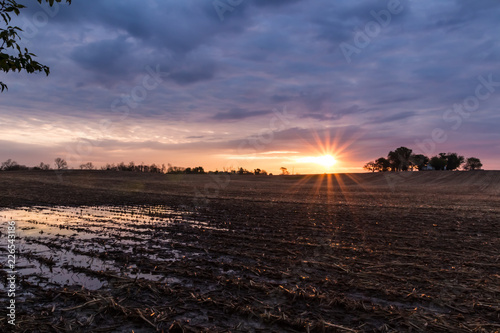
(10, 165)
(61, 164)
(403, 159)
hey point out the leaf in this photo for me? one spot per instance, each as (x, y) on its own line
(9, 38)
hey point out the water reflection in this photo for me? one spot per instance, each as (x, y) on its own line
(61, 246)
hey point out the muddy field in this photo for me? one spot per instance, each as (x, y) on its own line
(125, 252)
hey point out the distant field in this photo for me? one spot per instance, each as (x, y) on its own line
(102, 187)
(119, 251)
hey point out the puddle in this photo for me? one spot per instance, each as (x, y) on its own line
(73, 246)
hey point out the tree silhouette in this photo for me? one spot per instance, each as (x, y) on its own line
(87, 166)
(8, 165)
(438, 162)
(61, 164)
(42, 166)
(382, 164)
(473, 163)
(400, 159)
(419, 161)
(174, 169)
(370, 166)
(12, 56)
(453, 160)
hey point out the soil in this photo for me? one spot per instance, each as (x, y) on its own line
(127, 252)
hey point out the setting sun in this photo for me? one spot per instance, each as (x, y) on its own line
(326, 160)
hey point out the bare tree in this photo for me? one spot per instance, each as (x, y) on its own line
(44, 166)
(87, 166)
(9, 165)
(61, 164)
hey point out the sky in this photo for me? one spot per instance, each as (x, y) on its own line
(255, 83)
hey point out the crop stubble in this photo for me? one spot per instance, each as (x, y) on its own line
(265, 254)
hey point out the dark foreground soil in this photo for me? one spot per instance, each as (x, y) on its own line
(413, 252)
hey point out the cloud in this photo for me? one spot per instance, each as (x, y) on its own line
(275, 3)
(395, 117)
(106, 58)
(239, 114)
(265, 54)
(193, 73)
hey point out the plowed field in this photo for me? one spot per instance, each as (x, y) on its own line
(125, 252)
